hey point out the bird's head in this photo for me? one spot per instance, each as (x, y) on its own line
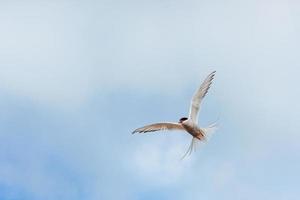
(182, 119)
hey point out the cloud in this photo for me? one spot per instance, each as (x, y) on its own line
(159, 161)
(133, 63)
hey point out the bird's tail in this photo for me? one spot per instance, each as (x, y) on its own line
(191, 148)
(208, 131)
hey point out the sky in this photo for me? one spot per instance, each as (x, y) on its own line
(77, 77)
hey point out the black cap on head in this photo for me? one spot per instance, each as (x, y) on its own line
(182, 119)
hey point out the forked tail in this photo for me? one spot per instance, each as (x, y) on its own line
(208, 131)
(191, 148)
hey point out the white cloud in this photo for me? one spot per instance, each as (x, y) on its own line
(158, 162)
(64, 59)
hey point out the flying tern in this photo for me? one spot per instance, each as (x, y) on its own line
(187, 124)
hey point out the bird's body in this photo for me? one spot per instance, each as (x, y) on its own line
(187, 124)
(193, 129)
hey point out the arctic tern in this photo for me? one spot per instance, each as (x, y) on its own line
(188, 124)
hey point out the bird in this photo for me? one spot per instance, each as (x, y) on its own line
(188, 124)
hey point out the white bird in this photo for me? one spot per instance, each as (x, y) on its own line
(188, 124)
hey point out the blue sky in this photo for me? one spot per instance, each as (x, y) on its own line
(78, 76)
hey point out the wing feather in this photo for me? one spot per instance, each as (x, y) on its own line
(159, 127)
(199, 95)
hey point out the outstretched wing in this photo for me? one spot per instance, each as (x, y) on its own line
(159, 127)
(199, 95)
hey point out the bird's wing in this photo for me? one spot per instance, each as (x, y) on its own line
(199, 95)
(159, 127)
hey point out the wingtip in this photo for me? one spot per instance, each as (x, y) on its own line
(212, 75)
(135, 131)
